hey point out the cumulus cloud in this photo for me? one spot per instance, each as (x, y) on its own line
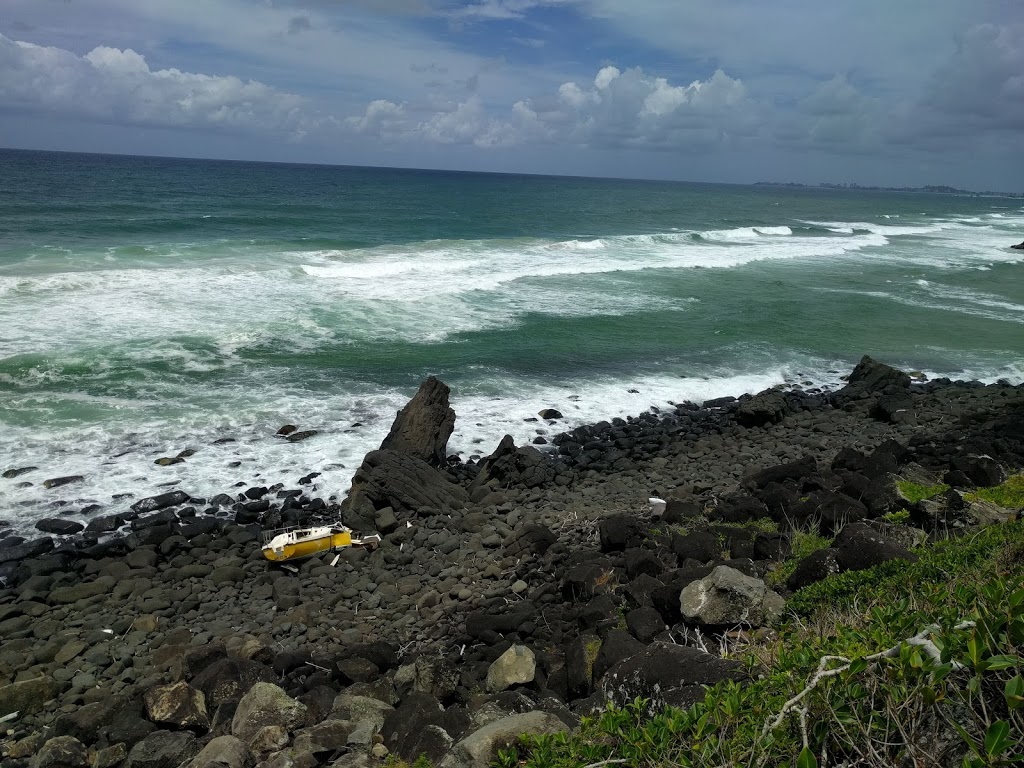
(617, 108)
(114, 85)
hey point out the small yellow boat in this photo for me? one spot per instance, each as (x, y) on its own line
(296, 543)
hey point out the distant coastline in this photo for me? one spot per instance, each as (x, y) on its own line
(930, 189)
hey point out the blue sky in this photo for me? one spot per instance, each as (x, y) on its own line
(869, 91)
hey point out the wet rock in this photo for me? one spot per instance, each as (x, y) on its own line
(59, 526)
(286, 430)
(297, 437)
(727, 597)
(57, 482)
(516, 666)
(162, 501)
(178, 704)
(421, 429)
(169, 461)
(550, 413)
(12, 473)
(105, 524)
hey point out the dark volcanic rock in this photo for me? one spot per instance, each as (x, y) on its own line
(793, 470)
(815, 567)
(421, 429)
(768, 407)
(667, 674)
(982, 471)
(871, 377)
(57, 482)
(32, 548)
(12, 473)
(163, 749)
(406, 484)
(618, 532)
(59, 526)
(229, 679)
(860, 546)
(702, 546)
(162, 501)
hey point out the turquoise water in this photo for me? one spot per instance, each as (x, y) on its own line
(152, 305)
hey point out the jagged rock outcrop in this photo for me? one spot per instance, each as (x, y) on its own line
(388, 478)
(421, 429)
(871, 377)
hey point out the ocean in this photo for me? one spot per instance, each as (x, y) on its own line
(151, 306)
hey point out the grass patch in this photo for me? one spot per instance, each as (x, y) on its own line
(915, 492)
(1009, 495)
(899, 517)
(892, 708)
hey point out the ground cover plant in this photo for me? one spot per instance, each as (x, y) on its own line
(914, 664)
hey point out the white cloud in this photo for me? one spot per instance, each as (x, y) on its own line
(114, 85)
(628, 108)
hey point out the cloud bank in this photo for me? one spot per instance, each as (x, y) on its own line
(117, 86)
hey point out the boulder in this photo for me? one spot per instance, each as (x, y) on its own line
(61, 752)
(1018, 247)
(228, 679)
(815, 567)
(981, 471)
(768, 407)
(421, 429)
(550, 413)
(59, 526)
(163, 749)
(618, 532)
(26, 550)
(860, 546)
(15, 472)
(265, 704)
(667, 674)
(480, 748)
(516, 666)
(178, 704)
(793, 470)
(702, 546)
(27, 696)
(645, 623)
(509, 466)
(57, 482)
(222, 752)
(727, 597)
(164, 500)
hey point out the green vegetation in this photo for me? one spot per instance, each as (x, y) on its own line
(899, 517)
(914, 492)
(840, 684)
(803, 543)
(1009, 495)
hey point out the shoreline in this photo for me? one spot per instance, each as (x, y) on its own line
(186, 597)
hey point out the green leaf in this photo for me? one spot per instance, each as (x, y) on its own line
(806, 759)
(1014, 692)
(997, 738)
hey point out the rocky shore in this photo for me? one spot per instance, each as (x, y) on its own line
(509, 595)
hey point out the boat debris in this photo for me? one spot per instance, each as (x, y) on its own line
(299, 542)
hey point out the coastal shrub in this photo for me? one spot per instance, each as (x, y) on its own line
(890, 666)
(915, 492)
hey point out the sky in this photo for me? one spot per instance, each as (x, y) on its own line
(874, 92)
